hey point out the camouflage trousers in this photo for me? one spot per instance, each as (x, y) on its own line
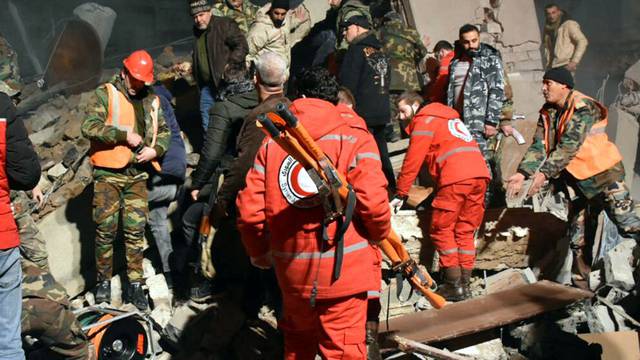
(487, 148)
(32, 245)
(110, 200)
(616, 201)
(55, 326)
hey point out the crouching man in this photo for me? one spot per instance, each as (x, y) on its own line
(440, 140)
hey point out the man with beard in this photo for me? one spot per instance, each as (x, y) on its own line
(571, 150)
(277, 30)
(564, 42)
(476, 89)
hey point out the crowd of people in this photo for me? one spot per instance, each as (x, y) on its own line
(355, 85)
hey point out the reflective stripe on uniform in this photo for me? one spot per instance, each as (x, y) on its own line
(115, 106)
(422, 133)
(259, 168)
(373, 294)
(448, 251)
(362, 156)
(466, 252)
(316, 254)
(337, 137)
(444, 156)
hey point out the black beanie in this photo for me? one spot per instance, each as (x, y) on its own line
(560, 75)
(198, 6)
(280, 4)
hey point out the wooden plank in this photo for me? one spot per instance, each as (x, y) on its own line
(483, 313)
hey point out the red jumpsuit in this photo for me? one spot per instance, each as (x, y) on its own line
(280, 211)
(441, 140)
(437, 91)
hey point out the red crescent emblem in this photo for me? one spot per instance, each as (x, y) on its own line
(295, 182)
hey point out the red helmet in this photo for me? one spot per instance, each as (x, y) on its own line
(140, 66)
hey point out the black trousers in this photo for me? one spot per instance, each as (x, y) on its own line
(378, 133)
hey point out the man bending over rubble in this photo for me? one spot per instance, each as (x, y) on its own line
(127, 132)
(440, 140)
(571, 149)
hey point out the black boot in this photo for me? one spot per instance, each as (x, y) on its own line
(465, 282)
(200, 290)
(103, 292)
(451, 289)
(373, 348)
(137, 297)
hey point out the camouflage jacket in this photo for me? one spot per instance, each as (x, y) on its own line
(245, 18)
(483, 89)
(9, 70)
(563, 151)
(94, 128)
(20, 203)
(405, 49)
(37, 283)
(348, 9)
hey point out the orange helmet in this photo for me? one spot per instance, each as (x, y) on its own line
(140, 66)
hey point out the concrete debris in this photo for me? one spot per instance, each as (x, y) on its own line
(617, 265)
(508, 279)
(91, 300)
(595, 280)
(147, 268)
(161, 314)
(601, 319)
(489, 350)
(55, 172)
(615, 295)
(116, 291)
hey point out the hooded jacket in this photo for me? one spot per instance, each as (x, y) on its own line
(483, 90)
(365, 72)
(226, 119)
(440, 140)
(281, 212)
(265, 36)
(225, 44)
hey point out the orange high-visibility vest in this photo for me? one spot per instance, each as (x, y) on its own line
(121, 115)
(597, 153)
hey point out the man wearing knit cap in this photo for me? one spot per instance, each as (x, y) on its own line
(218, 42)
(572, 151)
(277, 30)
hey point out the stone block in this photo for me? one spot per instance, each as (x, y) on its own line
(161, 314)
(43, 118)
(116, 291)
(47, 137)
(617, 265)
(595, 279)
(55, 172)
(158, 289)
(489, 350)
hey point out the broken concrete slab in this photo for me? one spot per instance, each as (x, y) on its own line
(508, 279)
(483, 313)
(488, 350)
(56, 171)
(617, 265)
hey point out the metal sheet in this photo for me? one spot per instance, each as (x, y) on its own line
(483, 313)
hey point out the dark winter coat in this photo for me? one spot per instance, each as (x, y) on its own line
(365, 72)
(225, 44)
(226, 118)
(22, 163)
(174, 161)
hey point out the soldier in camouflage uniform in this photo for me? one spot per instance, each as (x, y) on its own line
(32, 245)
(571, 150)
(476, 89)
(347, 9)
(125, 189)
(243, 12)
(405, 49)
(46, 315)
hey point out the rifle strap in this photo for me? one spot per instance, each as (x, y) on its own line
(343, 225)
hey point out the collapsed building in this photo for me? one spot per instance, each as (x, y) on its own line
(517, 312)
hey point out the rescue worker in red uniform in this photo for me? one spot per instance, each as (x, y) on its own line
(281, 222)
(439, 139)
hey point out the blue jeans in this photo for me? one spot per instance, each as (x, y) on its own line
(207, 99)
(159, 197)
(10, 305)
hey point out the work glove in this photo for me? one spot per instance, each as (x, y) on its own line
(396, 203)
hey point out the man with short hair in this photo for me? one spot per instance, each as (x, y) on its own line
(242, 12)
(128, 133)
(564, 42)
(281, 219)
(476, 89)
(439, 140)
(346, 9)
(365, 72)
(218, 42)
(277, 29)
(437, 89)
(571, 149)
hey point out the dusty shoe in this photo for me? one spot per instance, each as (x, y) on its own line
(103, 292)
(451, 289)
(373, 348)
(465, 283)
(200, 292)
(137, 297)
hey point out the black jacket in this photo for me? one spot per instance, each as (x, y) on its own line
(225, 120)
(225, 44)
(365, 71)
(22, 164)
